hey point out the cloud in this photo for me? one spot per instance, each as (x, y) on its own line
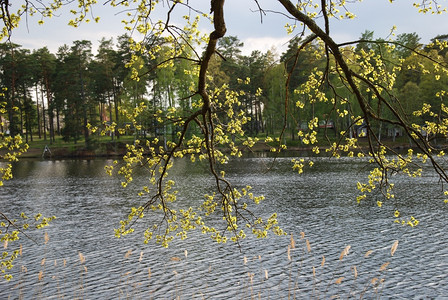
(264, 44)
(258, 32)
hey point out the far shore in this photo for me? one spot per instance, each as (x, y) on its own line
(116, 149)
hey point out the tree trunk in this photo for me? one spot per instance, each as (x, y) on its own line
(44, 122)
(117, 114)
(110, 113)
(58, 123)
(50, 110)
(12, 125)
(38, 113)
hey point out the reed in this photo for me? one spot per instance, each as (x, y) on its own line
(308, 275)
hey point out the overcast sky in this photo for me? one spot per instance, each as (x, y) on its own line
(243, 21)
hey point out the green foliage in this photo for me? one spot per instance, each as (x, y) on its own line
(343, 98)
(11, 148)
(10, 232)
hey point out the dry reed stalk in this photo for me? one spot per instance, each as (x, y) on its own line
(20, 250)
(323, 261)
(175, 258)
(46, 238)
(149, 273)
(82, 259)
(55, 263)
(308, 245)
(292, 242)
(289, 252)
(141, 256)
(251, 277)
(65, 262)
(384, 266)
(266, 274)
(339, 280)
(394, 248)
(85, 269)
(368, 253)
(41, 275)
(355, 271)
(5, 244)
(128, 254)
(245, 260)
(344, 252)
(42, 262)
(302, 235)
(186, 253)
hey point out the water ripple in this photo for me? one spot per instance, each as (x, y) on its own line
(319, 203)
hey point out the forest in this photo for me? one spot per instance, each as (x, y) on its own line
(68, 93)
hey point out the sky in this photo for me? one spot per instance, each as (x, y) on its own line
(243, 21)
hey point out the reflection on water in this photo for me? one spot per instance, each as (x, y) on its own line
(320, 203)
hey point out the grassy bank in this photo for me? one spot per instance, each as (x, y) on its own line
(105, 146)
(97, 147)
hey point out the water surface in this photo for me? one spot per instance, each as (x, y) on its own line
(321, 203)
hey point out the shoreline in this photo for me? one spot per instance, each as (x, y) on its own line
(118, 149)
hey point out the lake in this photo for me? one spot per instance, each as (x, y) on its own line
(83, 260)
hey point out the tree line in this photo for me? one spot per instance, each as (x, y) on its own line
(60, 94)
